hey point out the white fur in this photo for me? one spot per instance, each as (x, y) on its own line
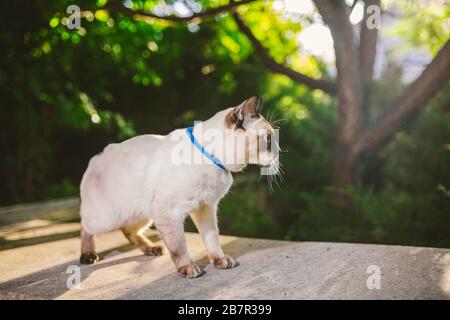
(136, 180)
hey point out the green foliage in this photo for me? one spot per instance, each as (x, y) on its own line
(244, 211)
(411, 205)
(65, 94)
(425, 24)
(390, 216)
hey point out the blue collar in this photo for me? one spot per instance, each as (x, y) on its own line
(194, 141)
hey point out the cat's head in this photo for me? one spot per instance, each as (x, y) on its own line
(249, 136)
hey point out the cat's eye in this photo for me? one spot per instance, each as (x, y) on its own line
(265, 142)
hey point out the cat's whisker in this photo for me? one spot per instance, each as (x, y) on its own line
(281, 174)
(276, 178)
(276, 122)
(270, 115)
(269, 184)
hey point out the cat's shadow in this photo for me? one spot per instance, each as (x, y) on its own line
(51, 283)
(168, 287)
(107, 255)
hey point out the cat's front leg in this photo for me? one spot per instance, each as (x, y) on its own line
(172, 234)
(205, 219)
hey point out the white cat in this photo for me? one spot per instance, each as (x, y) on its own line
(138, 181)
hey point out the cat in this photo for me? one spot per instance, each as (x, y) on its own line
(143, 180)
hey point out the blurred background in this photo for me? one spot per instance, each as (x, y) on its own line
(364, 112)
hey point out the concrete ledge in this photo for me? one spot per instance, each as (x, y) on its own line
(35, 255)
(54, 210)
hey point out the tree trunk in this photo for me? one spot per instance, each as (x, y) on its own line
(349, 92)
(409, 105)
(343, 167)
(414, 99)
(356, 139)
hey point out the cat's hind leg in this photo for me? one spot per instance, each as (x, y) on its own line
(88, 254)
(135, 234)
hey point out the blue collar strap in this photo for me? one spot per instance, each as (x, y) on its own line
(190, 133)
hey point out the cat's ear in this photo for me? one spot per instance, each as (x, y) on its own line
(246, 111)
(252, 106)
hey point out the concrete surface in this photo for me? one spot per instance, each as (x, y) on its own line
(39, 247)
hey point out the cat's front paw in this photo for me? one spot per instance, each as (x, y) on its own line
(226, 262)
(89, 258)
(189, 271)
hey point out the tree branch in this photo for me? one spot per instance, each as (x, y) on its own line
(334, 14)
(268, 61)
(276, 67)
(118, 7)
(415, 98)
(368, 44)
